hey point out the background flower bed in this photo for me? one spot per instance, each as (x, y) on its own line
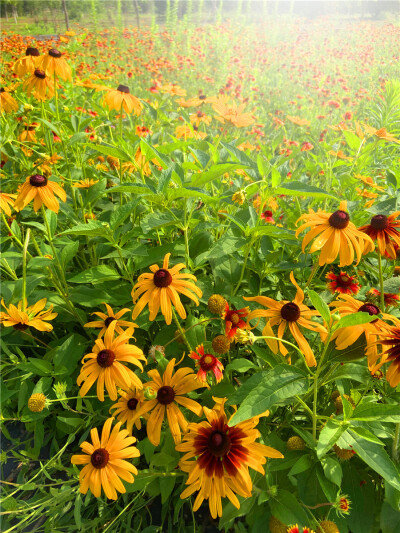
(200, 181)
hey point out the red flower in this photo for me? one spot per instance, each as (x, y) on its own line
(234, 320)
(267, 216)
(206, 363)
(389, 298)
(307, 146)
(342, 283)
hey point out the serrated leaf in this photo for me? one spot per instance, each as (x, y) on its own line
(95, 275)
(376, 457)
(379, 412)
(92, 228)
(328, 437)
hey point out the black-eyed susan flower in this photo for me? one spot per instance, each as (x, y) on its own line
(342, 283)
(345, 337)
(234, 320)
(105, 463)
(217, 459)
(33, 316)
(206, 362)
(390, 340)
(85, 183)
(37, 402)
(111, 319)
(29, 133)
(121, 98)
(294, 314)
(6, 200)
(160, 288)
(382, 229)
(40, 85)
(106, 365)
(125, 409)
(334, 235)
(27, 64)
(42, 191)
(169, 391)
(54, 63)
(7, 102)
(231, 112)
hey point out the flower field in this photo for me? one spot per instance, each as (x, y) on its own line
(200, 242)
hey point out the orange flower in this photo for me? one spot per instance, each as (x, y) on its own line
(381, 134)
(382, 229)
(6, 200)
(232, 113)
(42, 191)
(121, 98)
(7, 102)
(26, 64)
(53, 63)
(40, 85)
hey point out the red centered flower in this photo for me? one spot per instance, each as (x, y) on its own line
(342, 283)
(222, 456)
(234, 320)
(382, 229)
(391, 339)
(267, 216)
(206, 363)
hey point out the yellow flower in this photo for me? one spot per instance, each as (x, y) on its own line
(381, 134)
(121, 98)
(239, 197)
(105, 463)
(7, 102)
(53, 63)
(159, 289)
(26, 64)
(42, 191)
(232, 113)
(33, 316)
(106, 366)
(333, 235)
(40, 85)
(169, 391)
(112, 320)
(85, 184)
(129, 403)
(6, 200)
(222, 457)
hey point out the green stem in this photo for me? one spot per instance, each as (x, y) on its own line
(382, 295)
(313, 272)
(181, 331)
(246, 256)
(395, 447)
(315, 386)
(56, 96)
(55, 255)
(24, 252)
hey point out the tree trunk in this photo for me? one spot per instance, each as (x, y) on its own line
(64, 6)
(15, 14)
(136, 6)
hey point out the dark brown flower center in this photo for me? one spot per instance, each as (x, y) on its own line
(99, 458)
(20, 327)
(55, 53)
(371, 309)
(132, 403)
(162, 278)
(379, 222)
(202, 97)
(290, 312)
(105, 358)
(40, 74)
(339, 219)
(37, 180)
(219, 443)
(207, 362)
(2, 90)
(123, 89)
(108, 320)
(32, 51)
(235, 318)
(165, 395)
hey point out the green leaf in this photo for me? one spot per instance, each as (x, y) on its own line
(353, 371)
(328, 437)
(110, 150)
(95, 275)
(190, 192)
(264, 389)
(215, 171)
(288, 510)
(380, 412)
(352, 140)
(162, 459)
(151, 153)
(43, 367)
(66, 423)
(68, 252)
(390, 519)
(332, 470)
(92, 229)
(304, 463)
(157, 220)
(240, 365)
(376, 457)
(297, 188)
(133, 188)
(320, 305)
(365, 434)
(167, 485)
(354, 319)
(119, 214)
(392, 285)
(275, 177)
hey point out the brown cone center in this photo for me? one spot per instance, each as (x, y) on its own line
(123, 89)
(108, 321)
(219, 443)
(55, 53)
(32, 51)
(369, 308)
(99, 458)
(40, 74)
(132, 403)
(20, 327)
(105, 358)
(165, 395)
(37, 180)
(379, 222)
(162, 278)
(290, 312)
(339, 219)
